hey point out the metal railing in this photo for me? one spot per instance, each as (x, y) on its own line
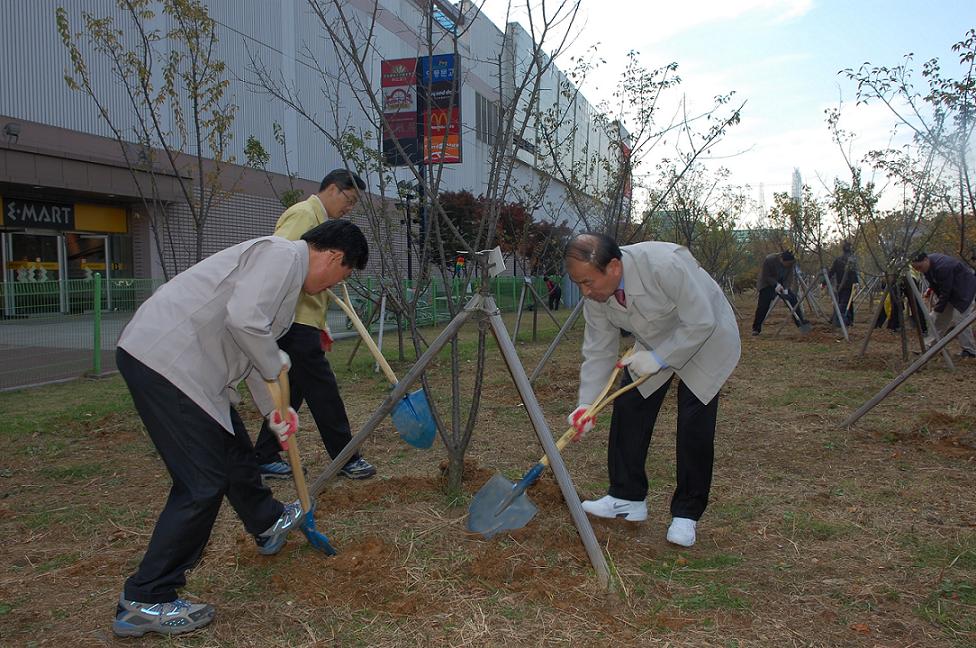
(59, 330)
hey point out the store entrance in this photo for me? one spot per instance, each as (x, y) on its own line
(33, 272)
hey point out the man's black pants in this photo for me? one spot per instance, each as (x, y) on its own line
(843, 299)
(766, 297)
(312, 381)
(205, 463)
(631, 426)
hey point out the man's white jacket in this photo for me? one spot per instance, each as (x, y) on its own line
(675, 309)
(216, 323)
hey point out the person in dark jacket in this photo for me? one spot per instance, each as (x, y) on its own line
(776, 278)
(954, 284)
(843, 275)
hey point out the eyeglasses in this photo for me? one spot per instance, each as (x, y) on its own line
(351, 196)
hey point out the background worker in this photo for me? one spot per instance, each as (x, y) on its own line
(182, 356)
(843, 274)
(954, 284)
(311, 377)
(776, 279)
(683, 325)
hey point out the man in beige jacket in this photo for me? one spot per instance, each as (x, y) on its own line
(182, 356)
(683, 325)
(311, 377)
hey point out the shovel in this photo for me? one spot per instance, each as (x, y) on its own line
(316, 538)
(804, 326)
(411, 416)
(501, 505)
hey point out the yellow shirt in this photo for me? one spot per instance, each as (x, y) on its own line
(298, 219)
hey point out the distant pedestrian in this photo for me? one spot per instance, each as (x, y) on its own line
(954, 284)
(555, 292)
(776, 279)
(844, 276)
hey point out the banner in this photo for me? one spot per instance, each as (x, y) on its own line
(421, 101)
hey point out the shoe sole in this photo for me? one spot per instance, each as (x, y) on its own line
(123, 629)
(623, 516)
(357, 475)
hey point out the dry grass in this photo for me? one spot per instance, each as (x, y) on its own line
(815, 536)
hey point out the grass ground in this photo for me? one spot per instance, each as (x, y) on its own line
(815, 536)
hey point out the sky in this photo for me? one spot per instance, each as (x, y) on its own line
(782, 58)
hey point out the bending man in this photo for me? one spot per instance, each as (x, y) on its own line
(182, 357)
(683, 325)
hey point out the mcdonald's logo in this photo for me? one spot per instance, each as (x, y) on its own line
(441, 122)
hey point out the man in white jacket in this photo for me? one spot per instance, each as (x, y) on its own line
(182, 357)
(683, 325)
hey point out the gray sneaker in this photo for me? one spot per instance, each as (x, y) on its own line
(271, 541)
(358, 468)
(134, 619)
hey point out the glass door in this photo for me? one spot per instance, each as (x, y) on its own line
(34, 268)
(86, 254)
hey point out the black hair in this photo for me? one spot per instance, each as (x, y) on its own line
(343, 236)
(847, 247)
(593, 248)
(787, 255)
(344, 179)
(921, 256)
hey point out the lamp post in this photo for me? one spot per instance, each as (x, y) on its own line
(406, 195)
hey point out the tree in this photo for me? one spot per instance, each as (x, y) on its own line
(257, 157)
(174, 118)
(941, 118)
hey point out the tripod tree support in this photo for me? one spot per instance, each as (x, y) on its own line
(482, 306)
(915, 366)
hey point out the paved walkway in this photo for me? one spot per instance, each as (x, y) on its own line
(37, 350)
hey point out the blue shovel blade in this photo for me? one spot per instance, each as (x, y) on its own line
(413, 420)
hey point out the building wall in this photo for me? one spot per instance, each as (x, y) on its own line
(287, 38)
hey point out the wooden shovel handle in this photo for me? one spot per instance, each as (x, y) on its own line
(346, 305)
(280, 394)
(602, 401)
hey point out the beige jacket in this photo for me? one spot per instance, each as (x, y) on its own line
(673, 308)
(215, 324)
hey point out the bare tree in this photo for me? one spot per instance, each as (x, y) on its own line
(175, 119)
(941, 118)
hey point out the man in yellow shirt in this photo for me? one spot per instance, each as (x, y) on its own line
(311, 376)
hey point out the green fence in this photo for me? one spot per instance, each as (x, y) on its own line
(57, 330)
(433, 304)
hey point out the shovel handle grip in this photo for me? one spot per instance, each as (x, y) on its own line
(346, 305)
(279, 394)
(596, 408)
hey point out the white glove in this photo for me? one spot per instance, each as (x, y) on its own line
(780, 290)
(580, 421)
(283, 428)
(285, 360)
(642, 363)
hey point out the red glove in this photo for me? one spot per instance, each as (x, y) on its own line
(579, 420)
(283, 428)
(325, 340)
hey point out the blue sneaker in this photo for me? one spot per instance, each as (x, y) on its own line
(134, 619)
(275, 470)
(271, 541)
(358, 468)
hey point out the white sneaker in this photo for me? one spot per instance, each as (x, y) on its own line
(612, 507)
(682, 531)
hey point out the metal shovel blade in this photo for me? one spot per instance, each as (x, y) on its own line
(413, 420)
(488, 516)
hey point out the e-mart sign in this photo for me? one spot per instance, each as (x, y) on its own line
(38, 215)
